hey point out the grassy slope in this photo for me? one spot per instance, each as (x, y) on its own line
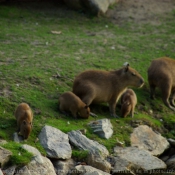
(31, 56)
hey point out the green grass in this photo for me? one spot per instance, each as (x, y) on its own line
(31, 57)
(19, 156)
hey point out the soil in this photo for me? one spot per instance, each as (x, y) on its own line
(141, 11)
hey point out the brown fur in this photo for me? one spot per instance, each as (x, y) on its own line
(128, 103)
(24, 117)
(161, 74)
(105, 86)
(70, 102)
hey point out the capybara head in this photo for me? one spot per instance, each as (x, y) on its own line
(132, 77)
(84, 112)
(25, 129)
(126, 108)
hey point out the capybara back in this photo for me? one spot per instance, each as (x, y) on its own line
(105, 86)
(128, 103)
(68, 101)
(161, 74)
(24, 117)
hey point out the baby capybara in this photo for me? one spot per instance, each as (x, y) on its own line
(24, 117)
(161, 74)
(128, 103)
(71, 103)
(105, 86)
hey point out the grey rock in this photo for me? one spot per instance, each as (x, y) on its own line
(171, 163)
(140, 158)
(98, 162)
(17, 138)
(55, 142)
(2, 142)
(1, 172)
(87, 170)
(10, 170)
(81, 142)
(35, 168)
(103, 128)
(63, 167)
(37, 155)
(171, 141)
(4, 156)
(145, 138)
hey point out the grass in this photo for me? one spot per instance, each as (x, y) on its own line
(31, 56)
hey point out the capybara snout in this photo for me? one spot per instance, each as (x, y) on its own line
(68, 101)
(161, 74)
(24, 117)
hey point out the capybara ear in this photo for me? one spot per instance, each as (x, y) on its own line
(24, 122)
(126, 64)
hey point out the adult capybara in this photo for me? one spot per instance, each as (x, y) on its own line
(128, 103)
(70, 102)
(24, 117)
(161, 74)
(105, 86)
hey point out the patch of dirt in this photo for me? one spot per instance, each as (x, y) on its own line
(141, 11)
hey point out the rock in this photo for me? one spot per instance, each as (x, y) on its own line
(171, 141)
(95, 7)
(2, 142)
(10, 170)
(35, 168)
(17, 138)
(81, 142)
(171, 163)
(1, 172)
(98, 162)
(37, 155)
(139, 158)
(55, 142)
(63, 167)
(103, 128)
(4, 156)
(123, 166)
(145, 138)
(87, 170)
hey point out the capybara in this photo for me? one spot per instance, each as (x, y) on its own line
(161, 74)
(68, 101)
(128, 103)
(24, 117)
(105, 86)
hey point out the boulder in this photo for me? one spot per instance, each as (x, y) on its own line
(171, 163)
(10, 170)
(103, 128)
(145, 138)
(4, 156)
(98, 162)
(171, 141)
(94, 7)
(2, 142)
(39, 165)
(139, 158)
(1, 172)
(55, 142)
(17, 138)
(63, 167)
(81, 142)
(87, 170)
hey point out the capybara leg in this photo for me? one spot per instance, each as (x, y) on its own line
(132, 112)
(73, 112)
(152, 91)
(112, 105)
(166, 90)
(87, 99)
(173, 99)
